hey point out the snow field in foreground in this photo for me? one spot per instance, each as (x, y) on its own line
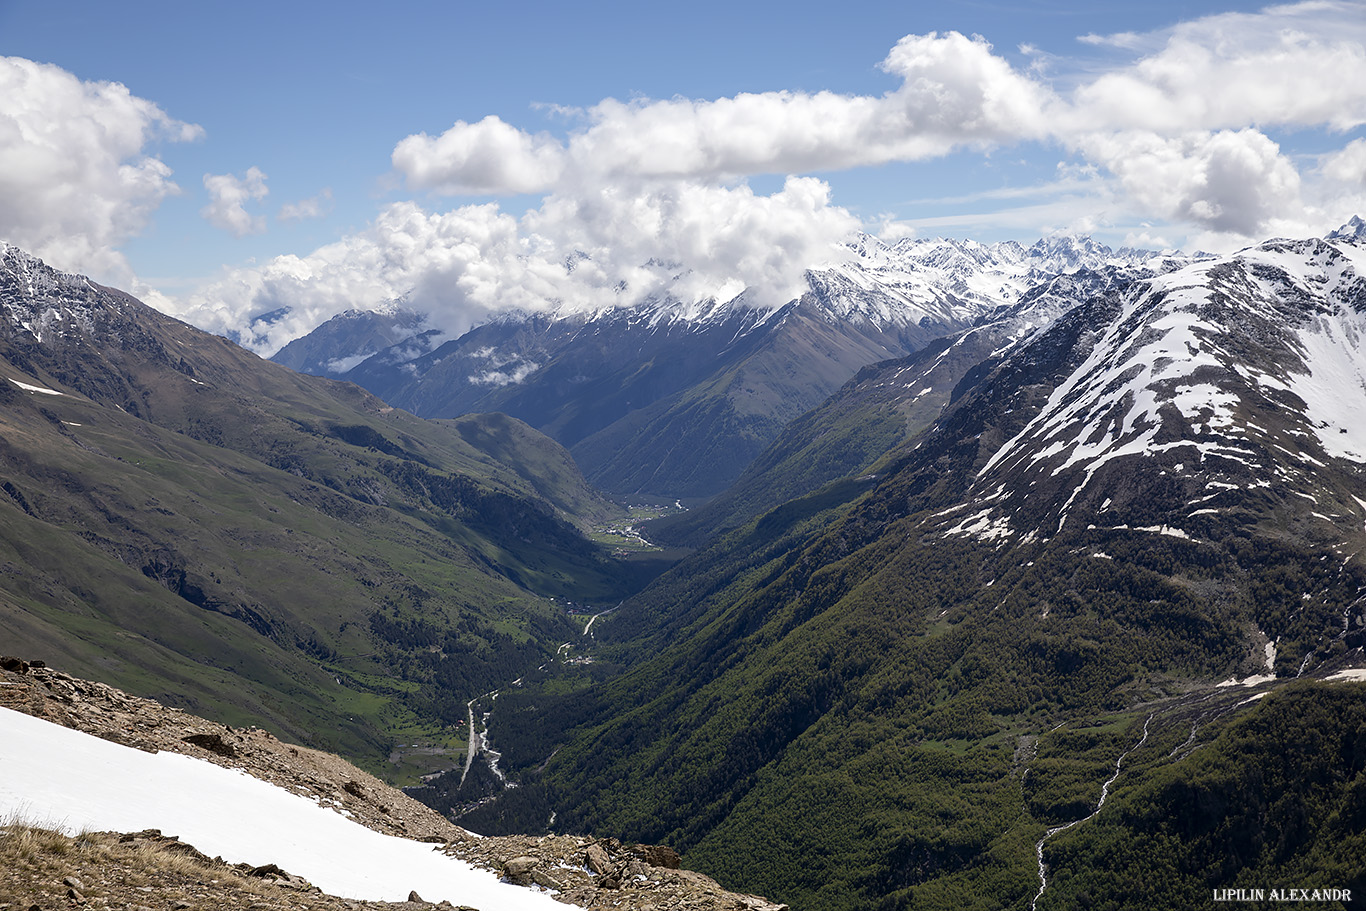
(64, 779)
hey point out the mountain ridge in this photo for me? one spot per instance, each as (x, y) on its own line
(671, 398)
(187, 520)
(938, 664)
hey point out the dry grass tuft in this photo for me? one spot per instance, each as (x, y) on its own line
(35, 859)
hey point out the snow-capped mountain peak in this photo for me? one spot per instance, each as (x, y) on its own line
(1236, 374)
(916, 281)
(1354, 229)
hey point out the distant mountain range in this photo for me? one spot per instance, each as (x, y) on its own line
(674, 398)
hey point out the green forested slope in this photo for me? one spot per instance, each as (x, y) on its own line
(885, 693)
(185, 520)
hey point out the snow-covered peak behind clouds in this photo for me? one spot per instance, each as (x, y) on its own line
(915, 280)
(909, 282)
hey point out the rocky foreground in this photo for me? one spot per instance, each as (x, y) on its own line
(155, 871)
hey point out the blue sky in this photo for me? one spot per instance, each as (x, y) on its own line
(318, 156)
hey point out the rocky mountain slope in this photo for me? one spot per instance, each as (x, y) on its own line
(890, 402)
(673, 398)
(1116, 559)
(362, 333)
(156, 869)
(188, 521)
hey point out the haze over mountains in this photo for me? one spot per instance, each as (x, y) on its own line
(1073, 523)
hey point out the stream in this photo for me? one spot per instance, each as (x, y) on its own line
(1104, 793)
(594, 618)
(480, 742)
(476, 742)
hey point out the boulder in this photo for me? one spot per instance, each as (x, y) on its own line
(597, 859)
(518, 870)
(661, 856)
(214, 743)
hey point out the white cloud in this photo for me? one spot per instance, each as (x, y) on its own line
(485, 157)
(1297, 65)
(461, 263)
(1347, 165)
(1126, 40)
(1227, 182)
(523, 370)
(954, 92)
(403, 248)
(1146, 240)
(890, 229)
(476, 260)
(648, 197)
(75, 178)
(313, 207)
(711, 237)
(1184, 128)
(228, 196)
(1191, 108)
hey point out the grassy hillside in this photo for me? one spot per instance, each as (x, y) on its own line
(185, 520)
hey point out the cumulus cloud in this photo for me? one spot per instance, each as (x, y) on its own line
(405, 247)
(75, 177)
(1232, 182)
(1347, 165)
(1294, 65)
(228, 196)
(1192, 108)
(648, 198)
(572, 253)
(477, 158)
(519, 372)
(954, 92)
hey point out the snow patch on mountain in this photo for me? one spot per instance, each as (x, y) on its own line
(1182, 364)
(27, 387)
(1333, 341)
(1108, 407)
